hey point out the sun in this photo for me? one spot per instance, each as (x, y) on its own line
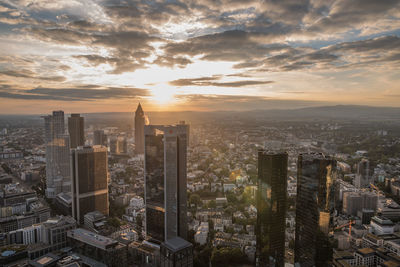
(163, 95)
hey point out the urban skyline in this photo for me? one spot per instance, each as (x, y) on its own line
(234, 190)
(206, 133)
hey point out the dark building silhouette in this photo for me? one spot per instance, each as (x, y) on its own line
(76, 130)
(314, 206)
(165, 181)
(271, 208)
(139, 129)
(99, 138)
(89, 181)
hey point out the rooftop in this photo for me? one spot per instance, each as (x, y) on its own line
(91, 238)
(176, 244)
(366, 251)
(45, 260)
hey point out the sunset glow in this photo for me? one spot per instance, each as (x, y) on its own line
(176, 55)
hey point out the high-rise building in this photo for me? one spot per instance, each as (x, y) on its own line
(271, 208)
(314, 207)
(89, 181)
(118, 145)
(140, 120)
(363, 177)
(165, 181)
(58, 178)
(99, 138)
(76, 130)
(353, 202)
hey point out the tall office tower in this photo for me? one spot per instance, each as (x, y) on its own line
(118, 145)
(58, 178)
(165, 181)
(140, 120)
(99, 138)
(271, 208)
(89, 181)
(363, 178)
(76, 130)
(314, 205)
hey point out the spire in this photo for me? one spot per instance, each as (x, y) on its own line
(139, 110)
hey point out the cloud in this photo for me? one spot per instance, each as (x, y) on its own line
(80, 93)
(23, 73)
(235, 45)
(210, 81)
(343, 15)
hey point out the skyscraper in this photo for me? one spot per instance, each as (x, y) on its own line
(362, 178)
(271, 208)
(139, 129)
(89, 181)
(58, 178)
(99, 138)
(165, 181)
(76, 130)
(314, 206)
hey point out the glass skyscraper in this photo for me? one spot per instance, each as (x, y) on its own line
(314, 207)
(271, 208)
(76, 130)
(58, 178)
(89, 182)
(165, 181)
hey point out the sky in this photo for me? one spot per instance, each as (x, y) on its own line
(106, 56)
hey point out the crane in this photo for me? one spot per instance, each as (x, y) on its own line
(349, 224)
(376, 188)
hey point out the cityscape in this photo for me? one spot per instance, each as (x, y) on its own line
(232, 189)
(209, 133)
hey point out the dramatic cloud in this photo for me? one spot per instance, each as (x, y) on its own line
(31, 75)
(80, 93)
(234, 46)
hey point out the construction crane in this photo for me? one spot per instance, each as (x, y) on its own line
(376, 188)
(349, 224)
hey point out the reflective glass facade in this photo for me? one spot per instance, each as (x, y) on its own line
(314, 204)
(58, 177)
(89, 183)
(271, 208)
(76, 130)
(165, 181)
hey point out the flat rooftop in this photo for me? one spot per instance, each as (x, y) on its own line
(176, 244)
(92, 239)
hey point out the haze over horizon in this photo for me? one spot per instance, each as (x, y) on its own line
(106, 56)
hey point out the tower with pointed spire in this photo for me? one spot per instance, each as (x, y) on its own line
(139, 129)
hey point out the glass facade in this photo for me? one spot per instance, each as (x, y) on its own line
(271, 208)
(314, 205)
(165, 181)
(76, 130)
(90, 188)
(58, 177)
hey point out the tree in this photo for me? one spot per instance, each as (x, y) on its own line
(228, 256)
(212, 204)
(195, 199)
(114, 222)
